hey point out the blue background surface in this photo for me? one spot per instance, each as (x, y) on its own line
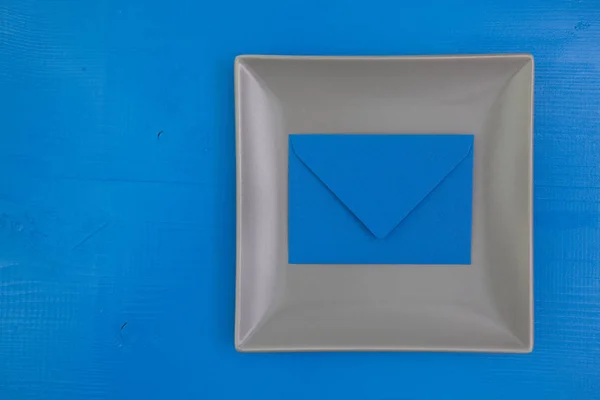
(102, 223)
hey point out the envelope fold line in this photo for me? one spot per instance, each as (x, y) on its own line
(431, 191)
(330, 190)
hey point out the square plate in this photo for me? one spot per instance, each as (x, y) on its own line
(485, 306)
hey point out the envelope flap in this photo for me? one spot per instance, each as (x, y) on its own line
(381, 178)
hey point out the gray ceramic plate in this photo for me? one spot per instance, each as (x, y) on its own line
(485, 306)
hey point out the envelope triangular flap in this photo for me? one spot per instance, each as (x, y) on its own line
(381, 178)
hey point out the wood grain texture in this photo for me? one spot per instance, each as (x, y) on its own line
(117, 249)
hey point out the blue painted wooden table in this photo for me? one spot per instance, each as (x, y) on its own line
(117, 244)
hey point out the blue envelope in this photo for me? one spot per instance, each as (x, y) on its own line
(380, 199)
